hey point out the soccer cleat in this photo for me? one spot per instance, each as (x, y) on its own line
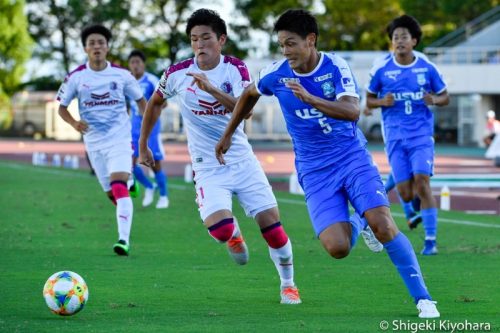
(134, 189)
(149, 194)
(162, 202)
(237, 247)
(414, 221)
(121, 248)
(430, 248)
(290, 295)
(370, 240)
(427, 309)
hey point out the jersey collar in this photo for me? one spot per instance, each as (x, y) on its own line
(321, 56)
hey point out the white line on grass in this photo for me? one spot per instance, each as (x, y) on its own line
(72, 173)
(441, 219)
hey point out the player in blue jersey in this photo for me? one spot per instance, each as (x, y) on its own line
(317, 94)
(404, 86)
(147, 81)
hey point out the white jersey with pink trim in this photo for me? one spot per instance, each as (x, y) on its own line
(204, 116)
(101, 102)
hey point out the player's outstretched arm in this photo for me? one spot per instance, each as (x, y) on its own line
(242, 110)
(151, 114)
(201, 80)
(79, 125)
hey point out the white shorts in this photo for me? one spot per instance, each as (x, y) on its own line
(246, 179)
(110, 160)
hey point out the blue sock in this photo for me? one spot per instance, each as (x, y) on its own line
(141, 177)
(403, 257)
(429, 219)
(161, 180)
(357, 224)
(407, 208)
(389, 184)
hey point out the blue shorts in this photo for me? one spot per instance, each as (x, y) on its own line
(154, 143)
(411, 156)
(329, 190)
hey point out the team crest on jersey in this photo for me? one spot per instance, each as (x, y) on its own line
(113, 85)
(226, 87)
(328, 89)
(421, 79)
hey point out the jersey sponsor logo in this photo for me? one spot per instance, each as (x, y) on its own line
(210, 109)
(90, 104)
(99, 97)
(419, 70)
(226, 87)
(404, 96)
(392, 74)
(347, 82)
(328, 89)
(113, 85)
(308, 113)
(285, 80)
(323, 77)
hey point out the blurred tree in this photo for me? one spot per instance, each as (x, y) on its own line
(261, 15)
(56, 27)
(356, 25)
(15, 50)
(360, 25)
(162, 33)
(440, 17)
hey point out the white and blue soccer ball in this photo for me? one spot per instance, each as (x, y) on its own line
(65, 293)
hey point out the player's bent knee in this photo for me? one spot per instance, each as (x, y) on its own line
(275, 235)
(223, 230)
(337, 251)
(384, 230)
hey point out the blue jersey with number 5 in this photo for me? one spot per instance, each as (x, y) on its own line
(409, 116)
(318, 140)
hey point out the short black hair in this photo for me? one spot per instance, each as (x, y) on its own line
(299, 21)
(137, 53)
(95, 29)
(207, 17)
(408, 22)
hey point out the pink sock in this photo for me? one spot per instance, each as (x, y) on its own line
(223, 230)
(275, 235)
(119, 189)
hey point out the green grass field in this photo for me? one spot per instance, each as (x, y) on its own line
(177, 279)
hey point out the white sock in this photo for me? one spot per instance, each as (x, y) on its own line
(283, 260)
(124, 214)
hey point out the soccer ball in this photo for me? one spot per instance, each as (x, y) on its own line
(65, 293)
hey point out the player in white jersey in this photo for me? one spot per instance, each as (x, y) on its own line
(101, 89)
(208, 86)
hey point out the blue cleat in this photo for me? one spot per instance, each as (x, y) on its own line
(430, 248)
